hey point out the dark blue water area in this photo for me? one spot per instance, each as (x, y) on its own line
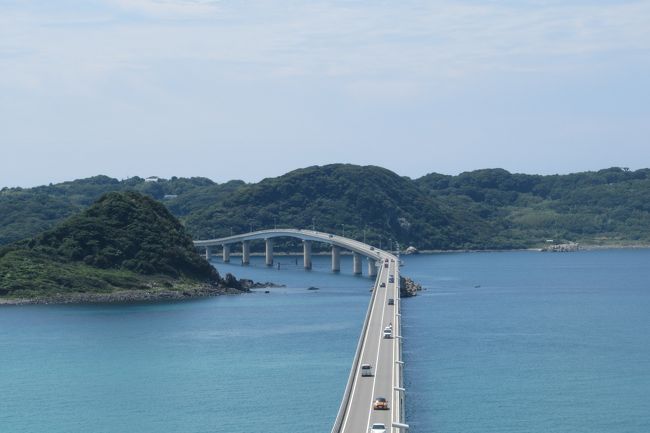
(507, 342)
(529, 342)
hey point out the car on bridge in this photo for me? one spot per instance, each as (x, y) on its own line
(388, 332)
(391, 301)
(378, 428)
(382, 285)
(380, 403)
(366, 370)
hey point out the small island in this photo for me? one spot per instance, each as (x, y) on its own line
(125, 247)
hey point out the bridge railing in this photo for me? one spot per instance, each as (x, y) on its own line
(398, 415)
(355, 363)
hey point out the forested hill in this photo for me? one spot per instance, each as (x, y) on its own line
(480, 209)
(340, 198)
(610, 206)
(123, 241)
(126, 231)
(25, 212)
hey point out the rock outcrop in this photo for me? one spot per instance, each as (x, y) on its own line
(408, 287)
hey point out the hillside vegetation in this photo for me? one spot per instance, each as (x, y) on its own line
(483, 209)
(123, 241)
(340, 198)
(25, 212)
(609, 206)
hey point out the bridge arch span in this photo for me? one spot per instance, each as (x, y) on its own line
(359, 249)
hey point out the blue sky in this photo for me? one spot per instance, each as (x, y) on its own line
(251, 89)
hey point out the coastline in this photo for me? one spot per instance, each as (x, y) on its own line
(184, 290)
(174, 292)
(180, 292)
(583, 247)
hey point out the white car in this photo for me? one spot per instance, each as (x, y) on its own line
(378, 428)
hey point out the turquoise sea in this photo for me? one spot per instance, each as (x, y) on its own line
(499, 342)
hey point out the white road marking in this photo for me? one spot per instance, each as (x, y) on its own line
(356, 374)
(374, 382)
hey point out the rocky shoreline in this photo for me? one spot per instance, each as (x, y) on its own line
(250, 284)
(155, 293)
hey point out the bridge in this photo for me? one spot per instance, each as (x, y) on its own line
(383, 353)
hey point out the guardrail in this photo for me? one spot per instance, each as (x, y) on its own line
(398, 416)
(355, 363)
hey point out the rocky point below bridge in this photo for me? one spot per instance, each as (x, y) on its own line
(408, 287)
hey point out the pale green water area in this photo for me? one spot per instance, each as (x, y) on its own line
(500, 342)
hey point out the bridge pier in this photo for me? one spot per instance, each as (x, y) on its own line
(226, 253)
(246, 252)
(269, 252)
(336, 258)
(372, 267)
(356, 263)
(306, 247)
(208, 253)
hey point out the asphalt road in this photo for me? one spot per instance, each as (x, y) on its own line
(378, 352)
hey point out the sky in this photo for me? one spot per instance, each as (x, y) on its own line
(253, 89)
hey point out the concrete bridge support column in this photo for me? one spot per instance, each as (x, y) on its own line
(246, 252)
(306, 247)
(269, 252)
(372, 267)
(356, 263)
(336, 259)
(226, 253)
(208, 253)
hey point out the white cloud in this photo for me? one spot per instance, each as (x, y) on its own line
(405, 41)
(169, 8)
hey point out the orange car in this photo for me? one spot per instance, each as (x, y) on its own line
(380, 403)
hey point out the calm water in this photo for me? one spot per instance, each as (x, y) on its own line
(500, 342)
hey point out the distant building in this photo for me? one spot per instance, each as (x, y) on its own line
(169, 196)
(152, 179)
(563, 248)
